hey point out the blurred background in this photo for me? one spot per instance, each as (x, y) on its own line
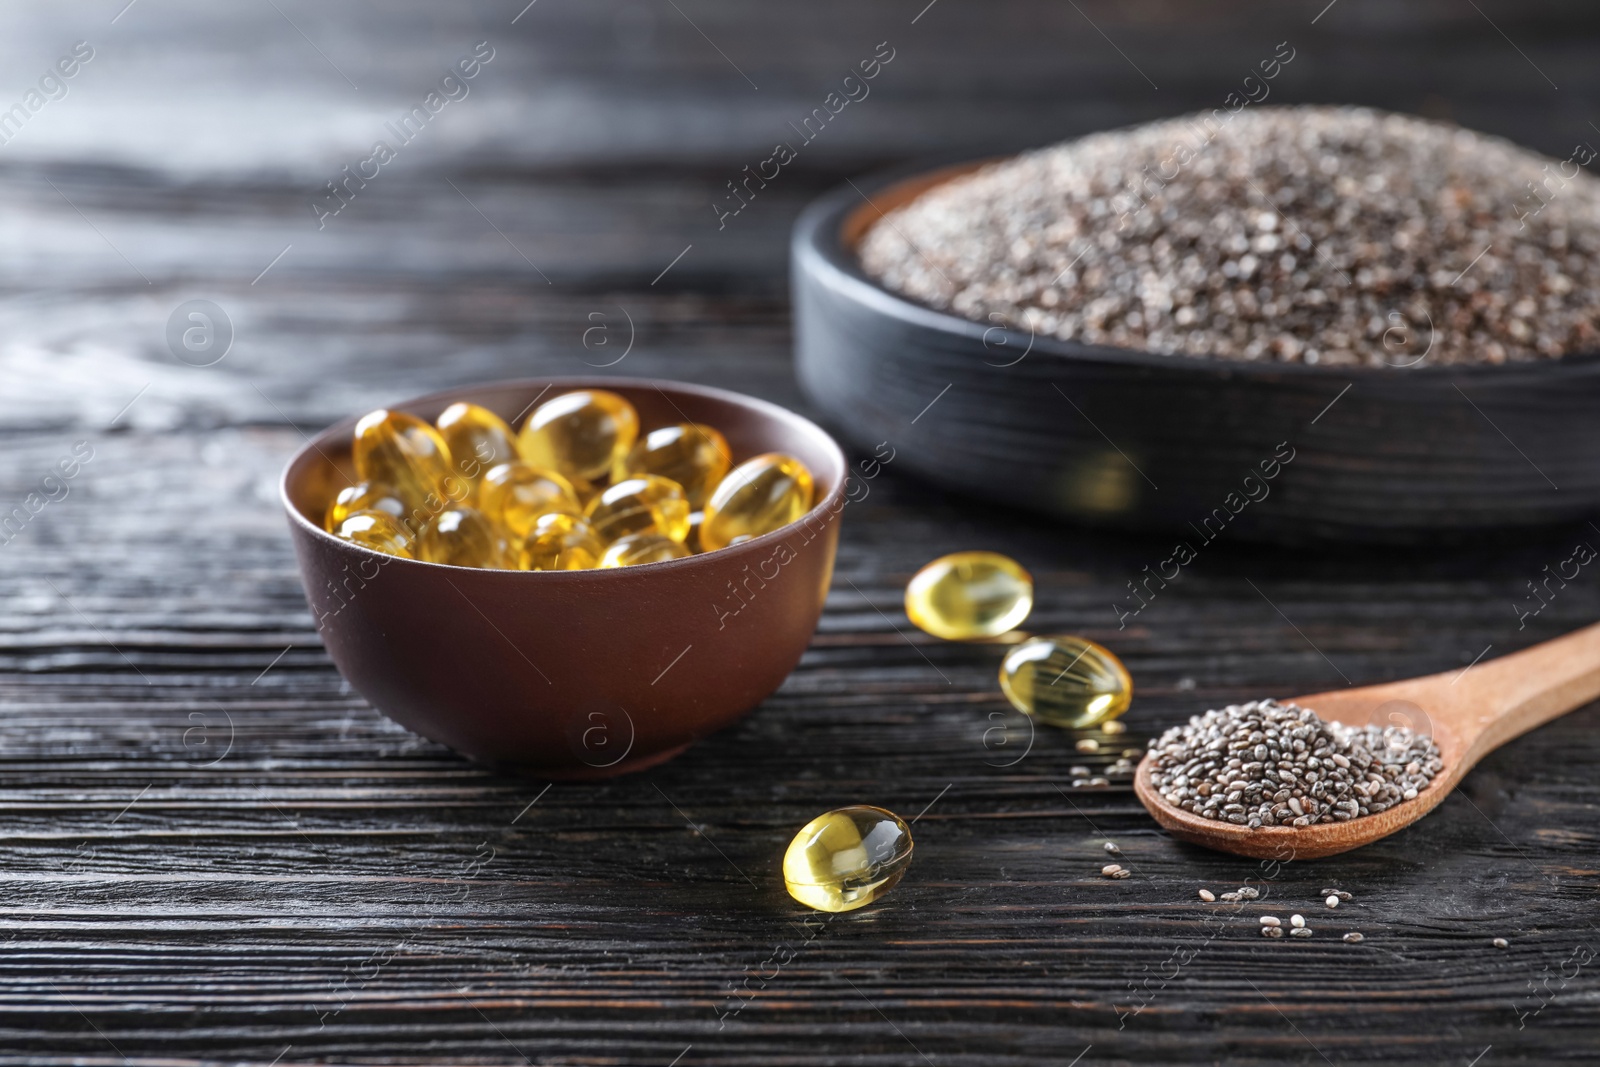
(185, 155)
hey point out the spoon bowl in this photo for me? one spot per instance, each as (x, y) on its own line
(1468, 713)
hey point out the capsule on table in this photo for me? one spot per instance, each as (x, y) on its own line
(693, 455)
(582, 434)
(462, 537)
(406, 454)
(377, 530)
(514, 494)
(1066, 681)
(634, 549)
(363, 496)
(758, 496)
(478, 439)
(561, 542)
(968, 596)
(847, 858)
(644, 503)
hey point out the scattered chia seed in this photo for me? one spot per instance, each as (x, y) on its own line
(1207, 895)
(1271, 931)
(1270, 764)
(1300, 931)
(1354, 937)
(1294, 235)
(1340, 893)
(1297, 921)
(1115, 726)
(1111, 847)
(1332, 902)
(1500, 942)
(1088, 744)
(1110, 870)
(1270, 920)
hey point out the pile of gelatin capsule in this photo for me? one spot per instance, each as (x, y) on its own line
(575, 488)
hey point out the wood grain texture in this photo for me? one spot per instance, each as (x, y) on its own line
(211, 851)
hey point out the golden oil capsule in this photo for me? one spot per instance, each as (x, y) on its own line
(363, 496)
(585, 489)
(691, 540)
(582, 434)
(758, 496)
(561, 542)
(514, 494)
(693, 455)
(478, 439)
(645, 503)
(1066, 681)
(377, 530)
(969, 596)
(406, 454)
(847, 858)
(634, 549)
(462, 537)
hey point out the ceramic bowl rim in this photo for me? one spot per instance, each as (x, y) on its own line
(768, 411)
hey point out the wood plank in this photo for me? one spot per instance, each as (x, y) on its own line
(212, 850)
(605, 926)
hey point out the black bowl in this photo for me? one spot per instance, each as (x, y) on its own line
(1271, 452)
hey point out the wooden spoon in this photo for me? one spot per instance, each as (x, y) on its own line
(1469, 713)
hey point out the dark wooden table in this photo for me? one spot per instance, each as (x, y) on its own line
(211, 850)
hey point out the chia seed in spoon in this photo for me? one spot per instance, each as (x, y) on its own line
(1271, 764)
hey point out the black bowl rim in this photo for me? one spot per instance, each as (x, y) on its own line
(820, 250)
(776, 412)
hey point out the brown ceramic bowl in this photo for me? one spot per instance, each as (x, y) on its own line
(573, 674)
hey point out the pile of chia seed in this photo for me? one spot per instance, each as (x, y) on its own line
(1270, 764)
(1336, 236)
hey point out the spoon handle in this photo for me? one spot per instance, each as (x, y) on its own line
(1474, 711)
(1493, 702)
